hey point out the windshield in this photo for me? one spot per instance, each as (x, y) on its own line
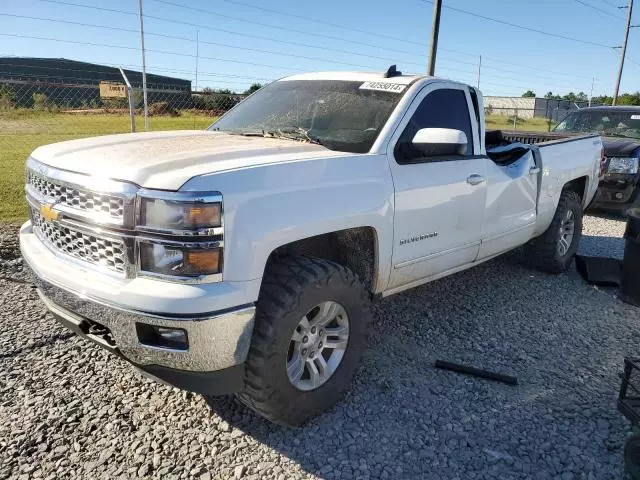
(341, 115)
(608, 123)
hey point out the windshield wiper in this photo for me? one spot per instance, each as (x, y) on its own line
(287, 133)
(294, 133)
(255, 133)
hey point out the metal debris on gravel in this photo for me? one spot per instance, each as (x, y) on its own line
(70, 410)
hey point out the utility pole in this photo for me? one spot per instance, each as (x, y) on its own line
(197, 55)
(593, 81)
(435, 30)
(144, 69)
(479, 71)
(624, 53)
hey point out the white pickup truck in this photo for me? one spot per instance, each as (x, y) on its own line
(242, 259)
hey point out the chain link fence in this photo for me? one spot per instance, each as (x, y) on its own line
(38, 112)
(24, 98)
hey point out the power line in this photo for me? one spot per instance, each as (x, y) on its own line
(271, 66)
(324, 22)
(475, 55)
(610, 4)
(104, 9)
(174, 37)
(538, 69)
(61, 2)
(523, 27)
(593, 7)
(76, 42)
(216, 29)
(231, 32)
(502, 70)
(127, 66)
(277, 27)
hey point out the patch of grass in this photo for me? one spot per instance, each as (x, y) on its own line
(501, 122)
(23, 130)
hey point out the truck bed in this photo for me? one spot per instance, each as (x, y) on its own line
(556, 156)
(496, 138)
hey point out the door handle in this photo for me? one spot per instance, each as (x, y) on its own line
(534, 170)
(475, 179)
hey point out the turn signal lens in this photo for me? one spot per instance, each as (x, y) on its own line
(204, 260)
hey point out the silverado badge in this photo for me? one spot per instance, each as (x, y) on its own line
(48, 213)
(418, 238)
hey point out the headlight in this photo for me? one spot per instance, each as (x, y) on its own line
(180, 213)
(623, 165)
(180, 235)
(193, 260)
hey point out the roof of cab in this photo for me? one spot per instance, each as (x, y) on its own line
(356, 77)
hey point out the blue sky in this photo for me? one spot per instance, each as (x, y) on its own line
(241, 44)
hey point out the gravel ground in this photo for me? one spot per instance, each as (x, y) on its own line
(69, 410)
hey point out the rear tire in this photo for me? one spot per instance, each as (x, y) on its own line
(554, 250)
(293, 288)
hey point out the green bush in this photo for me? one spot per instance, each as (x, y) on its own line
(42, 103)
(6, 98)
(163, 108)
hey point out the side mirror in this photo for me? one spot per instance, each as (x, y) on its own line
(434, 142)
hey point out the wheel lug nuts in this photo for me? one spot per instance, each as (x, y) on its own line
(304, 351)
(313, 330)
(320, 345)
(321, 332)
(312, 354)
(305, 339)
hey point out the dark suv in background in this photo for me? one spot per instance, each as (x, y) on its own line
(620, 131)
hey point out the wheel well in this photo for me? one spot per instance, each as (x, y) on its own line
(577, 185)
(354, 248)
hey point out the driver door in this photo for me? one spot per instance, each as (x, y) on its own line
(440, 200)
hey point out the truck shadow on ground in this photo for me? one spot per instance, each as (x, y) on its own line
(404, 419)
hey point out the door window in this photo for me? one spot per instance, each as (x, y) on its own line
(443, 108)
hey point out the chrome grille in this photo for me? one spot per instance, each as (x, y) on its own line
(107, 253)
(77, 198)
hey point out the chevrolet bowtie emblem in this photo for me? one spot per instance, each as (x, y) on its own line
(48, 213)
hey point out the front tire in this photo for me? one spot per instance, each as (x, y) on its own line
(554, 250)
(310, 331)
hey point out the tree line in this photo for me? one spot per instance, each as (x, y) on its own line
(624, 99)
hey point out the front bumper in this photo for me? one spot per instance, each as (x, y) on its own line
(218, 342)
(616, 192)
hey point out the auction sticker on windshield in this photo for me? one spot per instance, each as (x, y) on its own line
(633, 117)
(383, 87)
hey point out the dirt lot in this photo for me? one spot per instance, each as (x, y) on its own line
(69, 410)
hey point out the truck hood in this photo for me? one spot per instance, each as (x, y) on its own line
(166, 160)
(620, 147)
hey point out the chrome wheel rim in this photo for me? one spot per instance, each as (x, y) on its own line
(317, 346)
(567, 230)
